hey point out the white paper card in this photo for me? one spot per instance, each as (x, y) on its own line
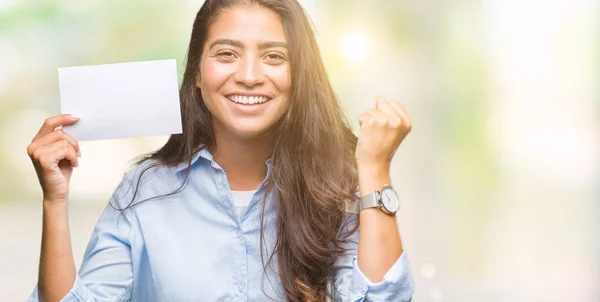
(121, 100)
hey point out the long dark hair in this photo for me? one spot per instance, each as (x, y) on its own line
(313, 164)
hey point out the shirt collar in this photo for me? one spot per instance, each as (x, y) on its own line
(204, 153)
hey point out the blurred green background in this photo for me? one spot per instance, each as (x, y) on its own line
(499, 177)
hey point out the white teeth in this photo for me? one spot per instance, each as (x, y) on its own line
(240, 99)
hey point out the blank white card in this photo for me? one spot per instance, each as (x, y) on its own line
(121, 100)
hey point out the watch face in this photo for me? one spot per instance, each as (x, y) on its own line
(389, 199)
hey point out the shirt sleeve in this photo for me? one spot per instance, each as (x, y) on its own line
(350, 284)
(106, 272)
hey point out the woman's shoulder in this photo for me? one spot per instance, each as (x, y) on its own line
(145, 179)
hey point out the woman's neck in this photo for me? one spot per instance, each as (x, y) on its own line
(243, 160)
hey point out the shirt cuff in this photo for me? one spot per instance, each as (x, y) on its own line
(397, 283)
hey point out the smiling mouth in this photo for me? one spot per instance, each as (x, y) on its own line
(248, 100)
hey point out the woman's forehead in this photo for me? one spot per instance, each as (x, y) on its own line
(247, 24)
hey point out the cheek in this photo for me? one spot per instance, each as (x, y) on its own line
(213, 76)
(282, 79)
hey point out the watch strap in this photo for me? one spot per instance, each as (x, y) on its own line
(368, 201)
(365, 202)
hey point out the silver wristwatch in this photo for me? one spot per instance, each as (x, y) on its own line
(385, 199)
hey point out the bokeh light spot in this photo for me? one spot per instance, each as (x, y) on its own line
(354, 46)
(428, 270)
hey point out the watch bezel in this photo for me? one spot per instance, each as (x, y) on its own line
(383, 206)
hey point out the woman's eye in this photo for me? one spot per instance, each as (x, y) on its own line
(226, 54)
(274, 56)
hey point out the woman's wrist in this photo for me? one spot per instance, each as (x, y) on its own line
(372, 177)
(54, 204)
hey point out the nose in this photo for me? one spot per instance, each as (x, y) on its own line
(249, 72)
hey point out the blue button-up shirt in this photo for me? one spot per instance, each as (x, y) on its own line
(192, 246)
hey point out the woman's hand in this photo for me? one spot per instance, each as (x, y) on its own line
(54, 153)
(382, 129)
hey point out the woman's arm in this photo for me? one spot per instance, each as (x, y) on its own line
(379, 245)
(382, 130)
(106, 273)
(57, 267)
(54, 154)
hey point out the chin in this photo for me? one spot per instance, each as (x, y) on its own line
(250, 132)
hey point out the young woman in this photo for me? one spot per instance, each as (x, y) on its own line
(256, 200)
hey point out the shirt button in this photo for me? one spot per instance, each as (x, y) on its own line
(240, 288)
(239, 235)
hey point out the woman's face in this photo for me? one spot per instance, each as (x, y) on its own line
(244, 71)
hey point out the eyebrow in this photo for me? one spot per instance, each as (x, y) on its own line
(236, 43)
